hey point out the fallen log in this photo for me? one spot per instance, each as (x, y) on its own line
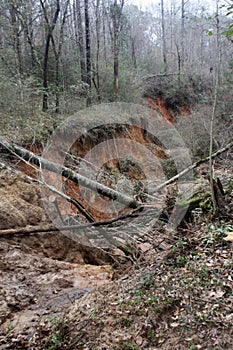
(193, 166)
(94, 185)
(70, 174)
(51, 228)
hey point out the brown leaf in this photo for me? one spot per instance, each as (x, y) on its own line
(229, 237)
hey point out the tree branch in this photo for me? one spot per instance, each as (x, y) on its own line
(193, 166)
(51, 228)
(71, 200)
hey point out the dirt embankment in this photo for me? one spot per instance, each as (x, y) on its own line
(41, 275)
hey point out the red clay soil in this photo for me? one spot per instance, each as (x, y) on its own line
(82, 147)
(98, 210)
(159, 105)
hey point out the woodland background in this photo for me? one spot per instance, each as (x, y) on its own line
(59, 56)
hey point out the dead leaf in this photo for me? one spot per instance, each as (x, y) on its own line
(175, 324)
(139, 340)
(217, 294)
(229, 237)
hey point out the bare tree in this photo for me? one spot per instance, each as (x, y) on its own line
(49, 29)
(96, 78)
(164, 37)
(116, 16)
(211, 170)
(79, 38)
(57, 53)
(182, 32)
(88, 48)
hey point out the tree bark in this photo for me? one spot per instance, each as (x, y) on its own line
(182, 33)
(164, 37)
(50, 30)
(80, 41)
(116, 24)
(97, 16)
(88, 50)
(17, 46)
(57, 54)
(213, 116)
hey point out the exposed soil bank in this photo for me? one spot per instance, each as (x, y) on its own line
(42, 274)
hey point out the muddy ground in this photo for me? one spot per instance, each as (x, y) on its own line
(41, 274)
(56, 293)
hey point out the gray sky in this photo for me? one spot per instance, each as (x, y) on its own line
(145, 3)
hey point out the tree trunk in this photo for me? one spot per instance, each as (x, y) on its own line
(57, 54)
(215, 101)
(116, 23)
(133, 53)
(17, 46)
(93, 185)
(182, 33)
(104, 15)
(88, 49)
(97, 14)
(80, 41)
(116, 66)
(46, 53)
(164, 37)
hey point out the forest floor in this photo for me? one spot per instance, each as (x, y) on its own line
(57, 294)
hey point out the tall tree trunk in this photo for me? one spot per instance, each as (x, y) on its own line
(215, 101)
(50, 28)
(116, 67)
(104, 15)
(133, 53)
(164, 37)
(116, 21)
(182, 33)
(179, 64)
(88, 49)
(57, 54)
(17, 46)
(45, 74)
(80, 41)
(97, 15)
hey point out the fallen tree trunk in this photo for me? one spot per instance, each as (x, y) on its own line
(51, 228)
(93, 185)
(193, 166)
(70, 174)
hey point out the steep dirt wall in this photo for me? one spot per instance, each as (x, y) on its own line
(110, 171)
